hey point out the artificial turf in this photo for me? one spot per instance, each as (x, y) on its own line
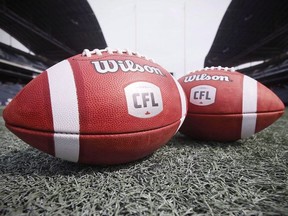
(185, 177)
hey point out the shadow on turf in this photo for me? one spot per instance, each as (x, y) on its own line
(180, 140)
(31, 161)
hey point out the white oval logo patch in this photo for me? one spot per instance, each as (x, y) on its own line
(202, 95)
(144, 99)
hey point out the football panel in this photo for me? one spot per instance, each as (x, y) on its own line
(52, 103)
(122, 148)
(268, 101)
(212, 127)
(102, 99)
(40, 140)
(222, 96)
(266, 119)
(31, 108)
(241, 94)
(98, 149)
(227, 127)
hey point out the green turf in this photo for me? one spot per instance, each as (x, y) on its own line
(185, 177)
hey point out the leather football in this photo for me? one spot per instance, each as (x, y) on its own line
(225, 105)
(99, 107)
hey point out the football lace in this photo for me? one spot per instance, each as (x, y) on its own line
(99, 52)
(232, 69)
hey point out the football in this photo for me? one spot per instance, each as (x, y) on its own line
(225, 105)
(104, 107)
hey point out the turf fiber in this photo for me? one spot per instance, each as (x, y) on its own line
(185, 177)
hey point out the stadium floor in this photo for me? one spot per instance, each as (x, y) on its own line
(185, 177)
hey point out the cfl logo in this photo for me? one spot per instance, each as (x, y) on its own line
(144, 99)
(202, 95)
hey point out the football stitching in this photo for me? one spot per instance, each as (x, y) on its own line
(232, 69)
(99, 52)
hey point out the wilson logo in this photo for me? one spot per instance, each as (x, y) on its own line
(202, 77)
(112, 66)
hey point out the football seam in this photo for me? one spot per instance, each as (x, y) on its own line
(88, 134)
(235, 113)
